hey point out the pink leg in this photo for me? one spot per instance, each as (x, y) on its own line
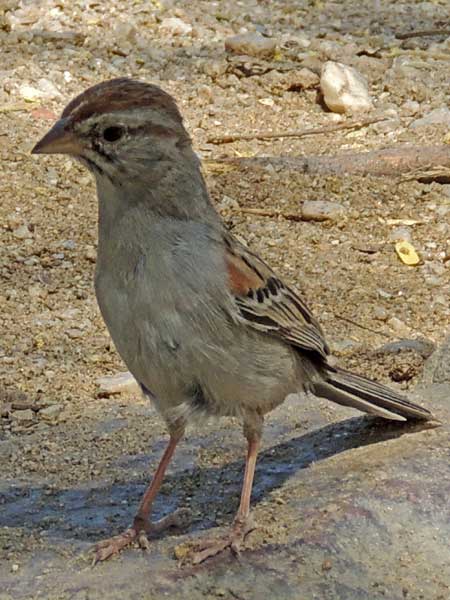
(141, 524)
(250, 464)
(242, 524)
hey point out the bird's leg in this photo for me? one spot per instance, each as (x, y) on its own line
(243, 523)
(141, 523)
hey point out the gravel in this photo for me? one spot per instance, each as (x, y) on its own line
(54, 346)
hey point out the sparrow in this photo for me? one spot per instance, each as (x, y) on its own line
(205, 326)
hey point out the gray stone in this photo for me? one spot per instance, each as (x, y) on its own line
(22, 415)
(438, 116)
(52, 412)
(437, 368)
(251, 44)
(422, 346)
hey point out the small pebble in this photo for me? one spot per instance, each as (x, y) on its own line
(51, 412)
(74, 333)
(327, 565)
(118, 383)
(175, 26)
(380, 313)
(305, 79)
(398, 326)
(22, 232)
(90, 253)
(400, 234)
(23, 415)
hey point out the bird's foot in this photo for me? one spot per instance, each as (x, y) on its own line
(138, 533)
(234, 539)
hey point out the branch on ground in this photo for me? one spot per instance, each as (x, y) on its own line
(423, 163)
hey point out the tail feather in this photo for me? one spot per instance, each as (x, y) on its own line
(369, 396)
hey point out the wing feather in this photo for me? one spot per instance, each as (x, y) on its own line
(267, 304)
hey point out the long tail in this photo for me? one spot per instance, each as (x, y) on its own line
(369, 396)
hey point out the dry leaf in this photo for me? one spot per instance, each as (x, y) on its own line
(403, 222)
(407, 253)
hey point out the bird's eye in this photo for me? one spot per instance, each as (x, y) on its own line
(112, 134)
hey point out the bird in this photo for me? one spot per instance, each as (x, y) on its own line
(205, 326)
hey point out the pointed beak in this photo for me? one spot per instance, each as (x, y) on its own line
(59, 140)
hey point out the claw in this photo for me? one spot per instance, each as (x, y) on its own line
(142, 541)
(107, 548)
(233, 539)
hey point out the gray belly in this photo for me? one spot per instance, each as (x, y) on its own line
(179, 337)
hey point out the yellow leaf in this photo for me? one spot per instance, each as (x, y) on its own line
(407, 253)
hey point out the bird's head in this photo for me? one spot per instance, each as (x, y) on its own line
(119, 128)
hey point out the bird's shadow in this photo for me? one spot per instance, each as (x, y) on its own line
(88, 512)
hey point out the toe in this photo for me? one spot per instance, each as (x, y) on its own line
(142, 541)
(209, 549)
(107, 548)
(103, 553)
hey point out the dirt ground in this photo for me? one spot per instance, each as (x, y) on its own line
(58, 435)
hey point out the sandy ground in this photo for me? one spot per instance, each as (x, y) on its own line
(74, 463)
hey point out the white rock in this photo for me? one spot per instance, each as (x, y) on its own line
(344, 89)
(118, 384)
(438, 116)
(45, 90)
(29, 93)
(175, 26)
(322, 210)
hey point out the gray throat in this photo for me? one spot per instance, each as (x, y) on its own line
(171, 188)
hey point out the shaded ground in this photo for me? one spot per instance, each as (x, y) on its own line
(342, 517)
(354, 509)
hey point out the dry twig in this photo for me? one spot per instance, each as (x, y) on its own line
(273, 214)
(268, 135)
(422, 33)
(347, 320)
